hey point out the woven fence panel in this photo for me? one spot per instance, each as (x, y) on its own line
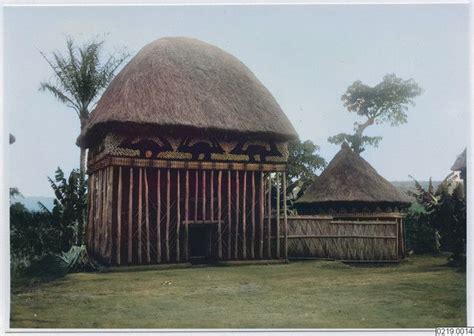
(349, 239)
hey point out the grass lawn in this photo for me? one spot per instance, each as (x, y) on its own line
(419, 293)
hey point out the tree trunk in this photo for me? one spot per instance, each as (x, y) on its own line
(83, 162)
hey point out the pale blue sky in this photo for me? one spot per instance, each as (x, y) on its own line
(305, 55)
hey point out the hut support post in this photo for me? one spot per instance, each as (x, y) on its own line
(269, 216)
(229, 214)
(278, 215)
(219, 214)
(178, 214)
(130, 217)
(252, 237)
(209, 245)
(186, 217)
(147, 218)
(119, 215)
(244, 217)
(158, 216)
(90, 220)
(167, 232)
(237, 186)
(203, 195)
(285, 219)
(196, 195)
(140, 213)
(262, 212)
(110, 213)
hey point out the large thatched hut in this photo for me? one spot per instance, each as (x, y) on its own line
(351, 213)
(184, 146)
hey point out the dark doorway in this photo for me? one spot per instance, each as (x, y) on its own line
(199, 243)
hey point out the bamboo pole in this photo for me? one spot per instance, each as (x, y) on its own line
(147, 218)
(269, 216)
(158, 216)
(252, 237)
(237, 196)
(196, 195)
(211, 196)
(119, 215)
(97, 209)
(285, 219)
(403, 238)
(219, 213)
(130, 217)
(229, 214)
(140, 213)
(110, 214)
(178, 214)
(90, 219)
(278, 215)
(186, 217)
(203, 195)
(167, 232)
(244, 216)
(262, 211)
(104, 214)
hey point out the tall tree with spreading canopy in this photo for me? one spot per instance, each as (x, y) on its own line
(386, 102)
(80, 75)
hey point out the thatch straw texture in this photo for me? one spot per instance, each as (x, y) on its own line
(185, 83)
(342, 240)
(349, 178)
(460, 163)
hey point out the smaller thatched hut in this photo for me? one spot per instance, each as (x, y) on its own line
(350, 212)
(460, 166)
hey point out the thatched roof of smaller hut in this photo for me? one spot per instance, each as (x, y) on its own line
(460, 163)
(183, 83)
(349, 178)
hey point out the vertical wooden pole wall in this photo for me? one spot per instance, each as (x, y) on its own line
(253, 232)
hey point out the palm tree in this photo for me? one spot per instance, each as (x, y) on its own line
(79, 78)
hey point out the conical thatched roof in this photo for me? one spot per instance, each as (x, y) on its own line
(460, 163)
(185, 83)
(349, 178)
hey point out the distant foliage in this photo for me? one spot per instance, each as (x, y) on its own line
(32, 235)
(441, 222)
(302, 166)
(35, 234)
(386, 102)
